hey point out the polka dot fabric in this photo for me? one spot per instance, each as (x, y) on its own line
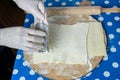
(109, 67)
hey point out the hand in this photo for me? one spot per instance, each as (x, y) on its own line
(31, 6)
(22, 38)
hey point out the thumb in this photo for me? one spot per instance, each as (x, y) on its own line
(41, 7)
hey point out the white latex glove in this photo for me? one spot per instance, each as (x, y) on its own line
(22, 38)
(31, 6)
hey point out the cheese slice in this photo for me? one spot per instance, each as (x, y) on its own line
(96, 45)
(73, 44)
(67, 44)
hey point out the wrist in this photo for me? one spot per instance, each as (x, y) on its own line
(2, 37)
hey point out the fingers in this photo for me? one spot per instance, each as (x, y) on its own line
(36, 32)
(36, 39)
(28, 50)
(33, 47)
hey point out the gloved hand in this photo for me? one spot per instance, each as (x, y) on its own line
(31, 6)
(22, 38)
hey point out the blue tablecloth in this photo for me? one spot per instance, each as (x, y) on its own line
(109, 67)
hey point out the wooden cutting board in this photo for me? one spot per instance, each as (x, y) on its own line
(64, 71)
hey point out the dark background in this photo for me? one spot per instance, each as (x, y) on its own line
(10, 15)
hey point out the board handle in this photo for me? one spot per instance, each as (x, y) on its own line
(112, 10)
(82, 10)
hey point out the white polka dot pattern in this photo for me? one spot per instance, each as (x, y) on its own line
(25, 63)
(111, 36)
(106, 2)
(88, 74)
(113, 49)
(32, 72)
(63, 3)
(15, 71)
(18, 56)
(118, 30)
(118, 42)
(108, 69)
(115, 64)
(57, 0)
(70, 0)
(77, 79)
(105, 58)
(108, 13)
(26, 20)
(97, 79)
(116, 18)
(109, 23)
(106, 74)
(77, 3)
(93, 2)
(50, 4)
(100, 18)
(40, 78)
(22, 78)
